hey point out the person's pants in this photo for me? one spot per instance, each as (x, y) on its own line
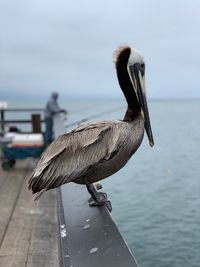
(49, 131)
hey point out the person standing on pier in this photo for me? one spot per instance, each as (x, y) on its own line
(52, 108)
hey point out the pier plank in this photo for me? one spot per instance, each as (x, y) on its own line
(28, 229)
(44, 242)
(11, 183)
(15, 246)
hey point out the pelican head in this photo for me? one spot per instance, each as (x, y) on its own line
(133, 85)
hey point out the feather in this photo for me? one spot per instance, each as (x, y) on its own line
(71, 155)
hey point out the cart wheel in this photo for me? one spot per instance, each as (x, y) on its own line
(12, 162)
(6, 165)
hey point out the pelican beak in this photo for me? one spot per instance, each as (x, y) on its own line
(137, 75)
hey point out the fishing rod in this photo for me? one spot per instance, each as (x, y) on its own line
(83, 109)
(93, 117)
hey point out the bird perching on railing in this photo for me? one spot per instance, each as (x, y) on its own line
(96, 150)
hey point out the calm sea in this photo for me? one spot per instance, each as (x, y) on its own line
(156, 196)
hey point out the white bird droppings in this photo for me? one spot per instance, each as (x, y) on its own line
(67, 256)
(86, 226)
(93, 250)
(63, 231)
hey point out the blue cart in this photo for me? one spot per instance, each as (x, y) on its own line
(10, 154)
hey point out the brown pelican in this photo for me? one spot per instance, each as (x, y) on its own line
(95, 151)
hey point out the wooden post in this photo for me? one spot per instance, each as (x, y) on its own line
(2, 122)
(36, 123)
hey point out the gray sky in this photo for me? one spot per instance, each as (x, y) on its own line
(68, 46)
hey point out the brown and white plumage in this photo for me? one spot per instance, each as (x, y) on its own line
(94, 151)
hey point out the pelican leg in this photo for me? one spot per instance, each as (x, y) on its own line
(98, 198)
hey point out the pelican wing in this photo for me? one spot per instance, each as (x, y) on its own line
(71, 155)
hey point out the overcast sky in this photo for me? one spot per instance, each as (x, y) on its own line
(67, 46)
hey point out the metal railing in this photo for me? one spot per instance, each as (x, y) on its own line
(35, 120)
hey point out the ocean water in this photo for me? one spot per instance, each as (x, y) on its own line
(156, 196)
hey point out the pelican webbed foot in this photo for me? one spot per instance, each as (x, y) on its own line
(98, 198)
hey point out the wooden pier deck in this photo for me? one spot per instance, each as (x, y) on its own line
(28, 229)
